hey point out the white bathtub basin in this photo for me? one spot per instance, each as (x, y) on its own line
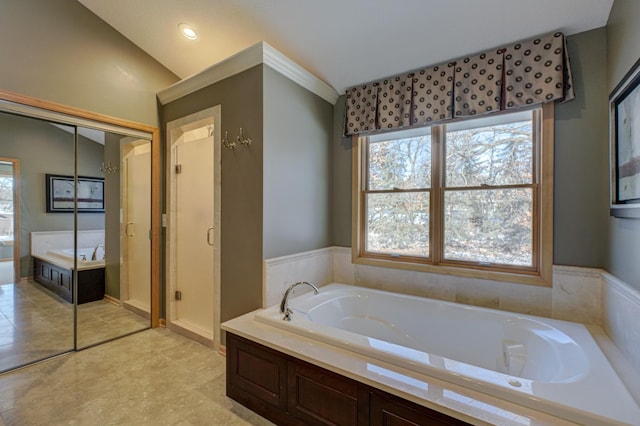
(83, 255)
(550, 365)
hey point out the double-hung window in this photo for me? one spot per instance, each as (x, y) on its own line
(473, 197)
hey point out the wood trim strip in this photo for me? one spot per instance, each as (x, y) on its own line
(356, 198)
(73, 111)
(156, 219)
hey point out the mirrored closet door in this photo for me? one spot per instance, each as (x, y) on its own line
(75, 233)
(114, 266)
(36, 318)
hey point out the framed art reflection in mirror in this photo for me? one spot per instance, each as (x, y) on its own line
(61, 194)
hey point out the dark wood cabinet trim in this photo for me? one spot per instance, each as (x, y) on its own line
(59, 281)
(310, 395)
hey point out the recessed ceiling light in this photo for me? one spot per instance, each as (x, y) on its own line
(188, 31)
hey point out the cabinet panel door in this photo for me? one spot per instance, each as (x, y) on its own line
(55, 276)
(65, 280)
(319, 397)
(45, 271)
(255, 373)
(387, 410)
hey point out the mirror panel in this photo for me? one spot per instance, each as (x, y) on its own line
(114, 173)
(36, 309)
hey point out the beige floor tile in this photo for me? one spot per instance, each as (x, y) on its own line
(154, 377)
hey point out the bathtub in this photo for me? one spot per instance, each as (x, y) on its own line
(83, 255)
(549, 365)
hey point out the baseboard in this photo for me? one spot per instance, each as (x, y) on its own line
(190, 334)
(222, 350)
(112, 300)
(136, 310)
(162, 323)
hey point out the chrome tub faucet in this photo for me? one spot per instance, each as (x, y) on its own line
(94, 256)
(284, 308)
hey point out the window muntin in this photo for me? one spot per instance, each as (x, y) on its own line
(480, 209)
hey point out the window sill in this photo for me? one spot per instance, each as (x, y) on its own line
(533, 278)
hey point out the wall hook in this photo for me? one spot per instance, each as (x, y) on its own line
(110, 168)
(242, 139)
(227, 143)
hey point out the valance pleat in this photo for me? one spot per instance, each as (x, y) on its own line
(432, 94)
(525, 73)
(394, 102)
(478, 84)
(535, 72)
(362, 106)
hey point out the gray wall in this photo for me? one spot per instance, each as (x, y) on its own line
(623, 50)
(341, 185)
(297, 168)
(41, 149)
(57, 50)
(241, 100)
(581, 157)
(580, 161)
(112, 216)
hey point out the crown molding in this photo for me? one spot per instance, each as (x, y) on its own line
(294, 72)
(259, 53)
(232, 65)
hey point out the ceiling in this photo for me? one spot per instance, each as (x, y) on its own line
(343, 42)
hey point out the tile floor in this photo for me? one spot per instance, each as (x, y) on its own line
(6, 271)
(154, 377)
(35, 324)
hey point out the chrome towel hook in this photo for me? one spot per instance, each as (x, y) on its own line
(228, 143)
(242, 139)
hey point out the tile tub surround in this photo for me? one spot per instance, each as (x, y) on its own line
(42, 242)
(280, 272)
(575, 296)
(586, 295)
(621, 312)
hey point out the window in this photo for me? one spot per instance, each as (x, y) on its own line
(472, 197)
(6, 201)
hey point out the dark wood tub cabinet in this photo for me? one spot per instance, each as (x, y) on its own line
(59, 281)
(289, 391)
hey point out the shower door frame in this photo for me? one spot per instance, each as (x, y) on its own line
(81, 114)
(215, 114)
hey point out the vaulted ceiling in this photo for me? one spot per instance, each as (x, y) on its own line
(343, 42)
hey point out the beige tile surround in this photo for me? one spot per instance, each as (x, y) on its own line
(586, 295)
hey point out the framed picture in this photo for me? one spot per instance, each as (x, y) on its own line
(624, 145)
(61, 194)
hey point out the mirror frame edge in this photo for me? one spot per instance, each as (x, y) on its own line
(155, 177)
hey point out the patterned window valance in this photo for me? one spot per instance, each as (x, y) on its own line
(526, 73)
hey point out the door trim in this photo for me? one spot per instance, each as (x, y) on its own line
(80, 114)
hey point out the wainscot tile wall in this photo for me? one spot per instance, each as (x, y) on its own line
(586, 295)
